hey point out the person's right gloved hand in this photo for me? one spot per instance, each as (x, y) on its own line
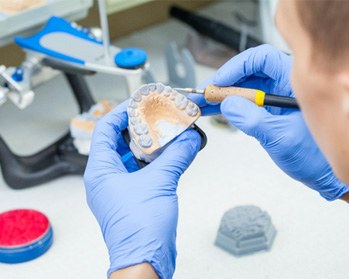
(281, 132)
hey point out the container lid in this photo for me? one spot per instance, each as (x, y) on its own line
(130, 58)
(25, 234)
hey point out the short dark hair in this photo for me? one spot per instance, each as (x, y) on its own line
(327, 23)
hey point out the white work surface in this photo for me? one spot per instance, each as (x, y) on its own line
(312, 234)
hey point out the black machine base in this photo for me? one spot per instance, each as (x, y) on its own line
(58, 159)
(61, 157)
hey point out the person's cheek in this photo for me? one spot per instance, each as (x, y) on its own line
(296, 84)
(306, 97)
(309, 91)
(300, 85)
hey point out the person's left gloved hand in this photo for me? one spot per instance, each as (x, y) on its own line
(137, 210)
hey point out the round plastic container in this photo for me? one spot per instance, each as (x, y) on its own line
(25, 234)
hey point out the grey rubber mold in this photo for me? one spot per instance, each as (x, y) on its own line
(245, 230)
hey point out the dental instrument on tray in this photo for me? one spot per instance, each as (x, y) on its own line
(217, 94)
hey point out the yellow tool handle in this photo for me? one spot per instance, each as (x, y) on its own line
(218, 94)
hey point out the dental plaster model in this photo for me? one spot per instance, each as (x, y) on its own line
(244, 230)
(157, 114)
(82, 125)
(13, 6)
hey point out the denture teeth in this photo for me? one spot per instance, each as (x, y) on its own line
(167, 91)
(192, 106)
(144, 90)
(133, 104)
(192, 110)
(152, 87)
(134, 120)
(137, 97)
(160, 87)
(173, 95)
(145, 141)
(140, 129)
(132, 112)
(181, 101)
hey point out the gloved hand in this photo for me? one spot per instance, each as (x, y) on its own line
(281, 132)
(137, 210)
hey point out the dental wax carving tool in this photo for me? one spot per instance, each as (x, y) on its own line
(157, 114)
(217, 94)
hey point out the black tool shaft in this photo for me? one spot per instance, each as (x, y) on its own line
(280, 101)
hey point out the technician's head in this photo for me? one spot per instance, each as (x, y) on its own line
(317, 33)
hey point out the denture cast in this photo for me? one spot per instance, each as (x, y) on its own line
(157, 114)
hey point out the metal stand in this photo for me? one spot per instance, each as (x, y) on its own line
(60, 158)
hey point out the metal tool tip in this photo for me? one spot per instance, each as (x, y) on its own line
(180, 89)
(190, 90)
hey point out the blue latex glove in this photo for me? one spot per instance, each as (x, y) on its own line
(281, 132)
(137, 210)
